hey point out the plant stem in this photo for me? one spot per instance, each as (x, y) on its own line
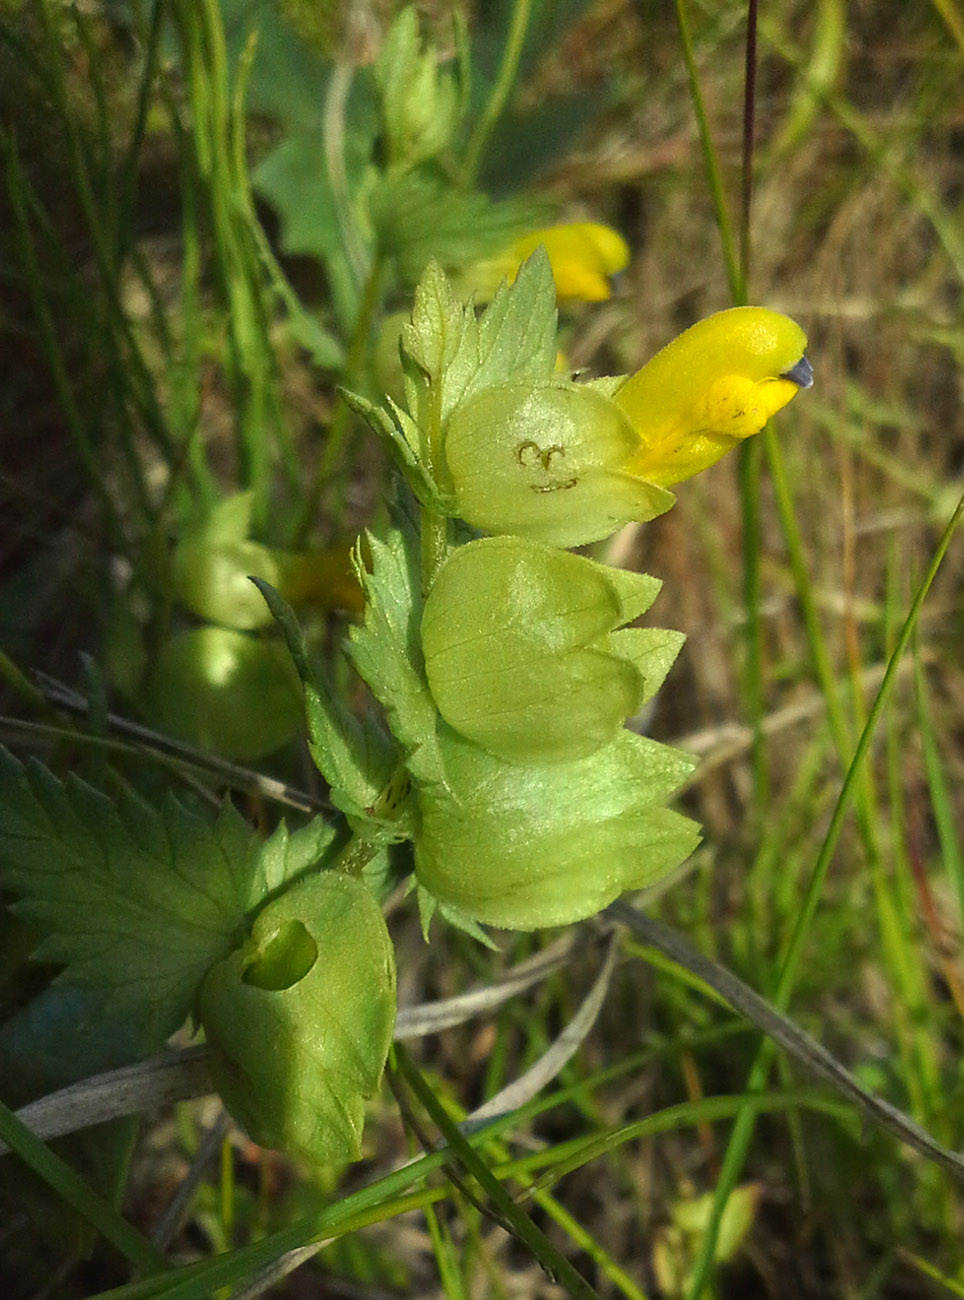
(498, 98)
(709, 157)
(341, 414)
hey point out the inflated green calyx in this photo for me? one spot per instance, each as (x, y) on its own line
(545, 461)
(299, 1019)
(522, 847)
(522, 655)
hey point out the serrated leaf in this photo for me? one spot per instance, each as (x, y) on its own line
(386, 649)
(357, 761)
(401, 433)
(517, 332)
(288, 855)
(442, 339)
(429, 905)
(317, 218)
(294, 180)
(135, 902)
(513, 341)
(68, 1033)
(418, 217)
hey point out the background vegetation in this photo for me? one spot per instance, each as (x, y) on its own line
(137, 348)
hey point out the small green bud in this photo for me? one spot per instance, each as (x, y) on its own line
(522, 847)
(299, 1019)
(545, 461)
(420, 104)
(522, 655)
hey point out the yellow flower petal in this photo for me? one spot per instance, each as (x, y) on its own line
(583, 255)
(716, 384)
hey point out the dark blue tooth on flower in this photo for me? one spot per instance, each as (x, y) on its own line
(801, 373)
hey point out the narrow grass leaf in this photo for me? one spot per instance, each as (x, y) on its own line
(515, 1220)
(64, 1182)
(945, 817)
(742, 1133)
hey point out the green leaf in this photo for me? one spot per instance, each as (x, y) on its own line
(514, 341)
(294, 180)
(136, 903)
(441, 341)
(357, 761)
(419, 217)
(517, 332)
(429, 905)
(67, 1033)
(402, 435)
(299, 1018)
(387, 650)
(319, 217)
(287, 856)
(288, 80)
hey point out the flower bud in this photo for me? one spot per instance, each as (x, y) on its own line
(299, 1019)
(420, 103)
(212, 563)
(522, 655)
(522, 847)
(225, 691)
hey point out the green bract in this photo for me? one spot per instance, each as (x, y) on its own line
(545, 461)
(527, 846)
(522, 656)
(299, 1019)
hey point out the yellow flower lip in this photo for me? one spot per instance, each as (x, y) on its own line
(715, 385)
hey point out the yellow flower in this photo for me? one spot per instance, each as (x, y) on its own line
(566, 463)
(716, 384)
(583, 255)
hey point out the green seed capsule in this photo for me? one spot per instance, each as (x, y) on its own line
(300, 1018)
(521, 655)
(546, 462)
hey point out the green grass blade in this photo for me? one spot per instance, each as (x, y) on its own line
(710, 159)
(67, 1184)
(942, 805)
(504, 81)
(741, 1136)
(514, 1219)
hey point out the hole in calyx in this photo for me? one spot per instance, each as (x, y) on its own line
(282, 958)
